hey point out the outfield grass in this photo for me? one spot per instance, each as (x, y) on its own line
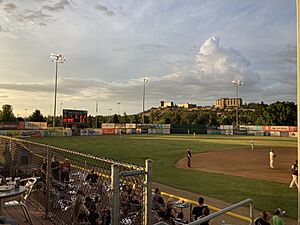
(166, 150)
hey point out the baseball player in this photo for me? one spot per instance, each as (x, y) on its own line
(272, 156)
(252, 144)
(189, 157)
(294, 171)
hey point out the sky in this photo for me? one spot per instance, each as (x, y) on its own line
(189, 50)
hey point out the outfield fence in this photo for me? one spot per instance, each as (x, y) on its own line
(120, 191)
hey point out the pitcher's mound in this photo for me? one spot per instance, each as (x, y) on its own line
(245, 163)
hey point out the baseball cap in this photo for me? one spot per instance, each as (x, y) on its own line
(279, 211)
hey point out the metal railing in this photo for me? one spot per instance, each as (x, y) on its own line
(213, 208)
(223, 211)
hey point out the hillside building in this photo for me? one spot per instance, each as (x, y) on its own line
(187, 105)
(228, 102)
(164, 104)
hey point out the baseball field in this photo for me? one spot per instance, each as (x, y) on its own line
(223, 167)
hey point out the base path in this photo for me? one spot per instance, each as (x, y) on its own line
(245, 163)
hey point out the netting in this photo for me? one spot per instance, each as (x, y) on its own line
(70, 182)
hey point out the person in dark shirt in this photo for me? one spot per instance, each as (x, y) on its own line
(189, 157)
(92, 177)
(94, 216)
(205, 212)
(55, 166)
(65, 171)
(158, 202)
(294, 172)
(264, 218)
(197, 211)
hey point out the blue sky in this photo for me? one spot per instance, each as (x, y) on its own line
(190, 50)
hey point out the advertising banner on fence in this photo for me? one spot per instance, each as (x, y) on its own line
(21, 125)
(31, 133)
(67, 132)
(293, 134)
(108, 130)
(8, 126)
(35, 125)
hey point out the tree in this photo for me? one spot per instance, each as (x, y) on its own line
(115, 118)
(36, 116)
(7, 115)
(279, 114)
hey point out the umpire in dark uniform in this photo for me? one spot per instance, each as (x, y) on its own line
(189, 157)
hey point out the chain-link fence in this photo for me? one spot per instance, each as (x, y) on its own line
(70, 182)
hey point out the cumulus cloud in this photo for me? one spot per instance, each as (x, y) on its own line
(61, 5)
(9, 7)
(214, 68)
(103, 9)
(3, 28)
(37, 17)
(224, 63)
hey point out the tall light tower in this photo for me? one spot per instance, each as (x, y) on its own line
(119, 107)
(96, 114)
(25, 114)
(56, 58)
(237, 83)
(145, 81)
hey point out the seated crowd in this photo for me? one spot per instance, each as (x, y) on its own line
(167, 211)
(89, 198)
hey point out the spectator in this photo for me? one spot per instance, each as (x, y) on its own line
(43, 173)
(197, 211)
(124, 195)
(158, 202)
(65, 171)
(55, 168)
(80, 212)
(180, 218)
(205, 212)
(277, 218)
(170, 210)
(264, 218)
(92, 177)
(94, 216)
(106, 218)
(44, 167)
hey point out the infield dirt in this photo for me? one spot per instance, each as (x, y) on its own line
(245, 163)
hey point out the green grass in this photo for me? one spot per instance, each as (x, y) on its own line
(166, 150)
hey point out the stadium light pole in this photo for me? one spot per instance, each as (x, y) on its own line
(56, 58)
(25, 114)
(237, 83)
(145, 81)
(119, 107)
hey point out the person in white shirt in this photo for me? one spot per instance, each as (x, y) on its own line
(272, 156)
(252, 144)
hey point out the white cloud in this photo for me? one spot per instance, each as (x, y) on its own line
(215, 67)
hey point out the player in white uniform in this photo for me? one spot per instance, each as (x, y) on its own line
(252, 144)
(272, 156)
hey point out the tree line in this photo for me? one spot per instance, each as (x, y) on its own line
(274, 114)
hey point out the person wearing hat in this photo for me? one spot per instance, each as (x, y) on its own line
(189, 157)
(272, 156)
(277, 218)
(294, 171)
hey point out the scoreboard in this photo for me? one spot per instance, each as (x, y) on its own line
(74, 117)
